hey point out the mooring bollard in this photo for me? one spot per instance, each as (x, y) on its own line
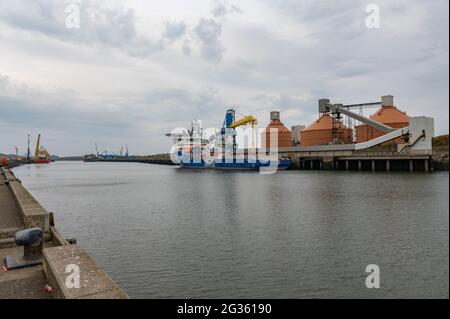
(32, 242)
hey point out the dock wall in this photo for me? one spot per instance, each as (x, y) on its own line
(370, 161)
(58, 253)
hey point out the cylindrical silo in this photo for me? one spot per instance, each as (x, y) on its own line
(389, 115)
(283, 134)
(323, 132)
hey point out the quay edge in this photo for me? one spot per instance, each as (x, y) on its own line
(20, 210)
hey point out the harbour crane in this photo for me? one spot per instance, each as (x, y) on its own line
(41, 155)
(230, 122)
(28, 150)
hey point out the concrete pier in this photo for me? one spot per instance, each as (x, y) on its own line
(20, 210)
(365, 162)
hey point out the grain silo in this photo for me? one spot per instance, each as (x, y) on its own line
(389, 115)
(325, 131)
(284, 135)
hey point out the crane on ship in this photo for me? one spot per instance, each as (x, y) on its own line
(41, 155)
(230, 122)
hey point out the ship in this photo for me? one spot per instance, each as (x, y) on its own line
(41, 155)
(192, 150)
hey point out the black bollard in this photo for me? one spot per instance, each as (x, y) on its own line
(32, 242)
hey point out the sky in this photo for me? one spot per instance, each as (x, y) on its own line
(135, 70)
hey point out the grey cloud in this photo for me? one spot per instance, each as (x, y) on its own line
(286, 101)
(174, 30)
(208, 32)
(186, 48)
(118, 117)
(220, 10)
(99, 25)
(351, 68)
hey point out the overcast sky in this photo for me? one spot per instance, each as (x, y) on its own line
(135, 70)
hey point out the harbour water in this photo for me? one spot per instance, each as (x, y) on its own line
(163, 232)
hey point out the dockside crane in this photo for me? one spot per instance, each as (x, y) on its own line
(230, 122)
(41, 155)
(28, 150)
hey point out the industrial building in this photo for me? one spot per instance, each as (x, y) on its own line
(284, 136)
(325, 130)
(389, 115)
(328, 143)
(332, 128)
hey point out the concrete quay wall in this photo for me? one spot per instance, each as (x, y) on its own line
(59, 255)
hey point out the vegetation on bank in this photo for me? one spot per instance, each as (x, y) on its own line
(440, 143)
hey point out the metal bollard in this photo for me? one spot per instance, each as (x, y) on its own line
(32, 242)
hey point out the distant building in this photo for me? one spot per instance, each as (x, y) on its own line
(323, 132)
(389, 115)
(284, 136)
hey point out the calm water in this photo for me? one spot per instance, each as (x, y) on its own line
(162, 232)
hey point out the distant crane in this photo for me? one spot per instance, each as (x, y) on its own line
(96, 149)
(41, 155)
(28, 151)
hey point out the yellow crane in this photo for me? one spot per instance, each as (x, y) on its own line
(248, 119)
(41, 155)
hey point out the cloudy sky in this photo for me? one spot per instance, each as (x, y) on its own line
(136, 69)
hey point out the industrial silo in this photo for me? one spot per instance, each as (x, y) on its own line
(325, 131)
(389, 115)
(284, 135)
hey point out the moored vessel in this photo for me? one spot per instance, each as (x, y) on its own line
(191, 150)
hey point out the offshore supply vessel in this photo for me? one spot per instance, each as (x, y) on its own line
(41, 155)
(192, 150)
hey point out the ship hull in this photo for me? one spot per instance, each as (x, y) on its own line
(41, 161)
(235, 166)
